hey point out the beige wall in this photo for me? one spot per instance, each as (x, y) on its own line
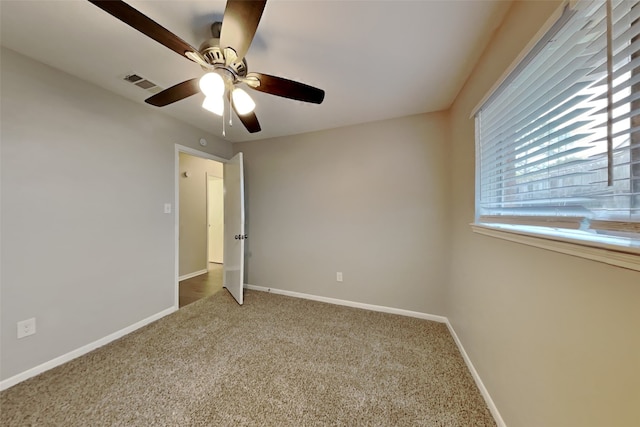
(555, 338)
(368, 200)
(193, 211)
(86, 246)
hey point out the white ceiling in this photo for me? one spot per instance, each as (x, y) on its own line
(374, 59)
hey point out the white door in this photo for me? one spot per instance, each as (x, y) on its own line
(233, 277)
(215, 222)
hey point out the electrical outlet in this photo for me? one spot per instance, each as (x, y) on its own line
(339, 276)
(167, 208)
(26, 327)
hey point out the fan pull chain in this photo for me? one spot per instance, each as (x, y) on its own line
(223, 130)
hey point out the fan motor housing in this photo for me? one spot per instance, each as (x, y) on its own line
(210, 49)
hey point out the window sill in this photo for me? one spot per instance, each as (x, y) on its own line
(626, 257)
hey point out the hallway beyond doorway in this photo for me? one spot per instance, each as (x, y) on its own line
(201, 286)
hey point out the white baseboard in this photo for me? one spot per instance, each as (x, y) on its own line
(441, 319)
(476, 377)
(371, 307)
(82, 350)
(194, 274)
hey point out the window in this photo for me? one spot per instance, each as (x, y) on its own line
(558, 143)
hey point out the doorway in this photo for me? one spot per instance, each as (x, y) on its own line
(205, 284)
(199, 225)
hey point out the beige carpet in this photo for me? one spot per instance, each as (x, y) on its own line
(276, 361)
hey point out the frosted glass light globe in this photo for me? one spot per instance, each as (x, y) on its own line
(215, 104)
(242, 101)
(212, 84)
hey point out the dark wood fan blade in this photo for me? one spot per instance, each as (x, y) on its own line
(284, 87)
(174, 93)
(239, 25)
(250, 120)
(145, 25)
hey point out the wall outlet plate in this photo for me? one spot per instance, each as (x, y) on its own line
(26, 327)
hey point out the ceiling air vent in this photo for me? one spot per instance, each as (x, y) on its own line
(142, 82)
(132, 78)
(145, 84)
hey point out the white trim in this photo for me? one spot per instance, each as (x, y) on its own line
(198, 153)
(371, 307)
(476, 377)
(194, 274)
(435, 318)
(176, 203)
(9, 382)
(625, 257)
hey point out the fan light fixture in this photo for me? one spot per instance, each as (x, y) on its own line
(222, 58)
(242, 101)
(212, 85)
(215, 104)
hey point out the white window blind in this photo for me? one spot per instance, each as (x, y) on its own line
(558, 143)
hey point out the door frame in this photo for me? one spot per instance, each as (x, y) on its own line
(176, 204)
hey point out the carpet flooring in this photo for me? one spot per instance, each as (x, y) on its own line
(275, 361)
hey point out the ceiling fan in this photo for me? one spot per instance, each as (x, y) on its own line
(222, 57)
